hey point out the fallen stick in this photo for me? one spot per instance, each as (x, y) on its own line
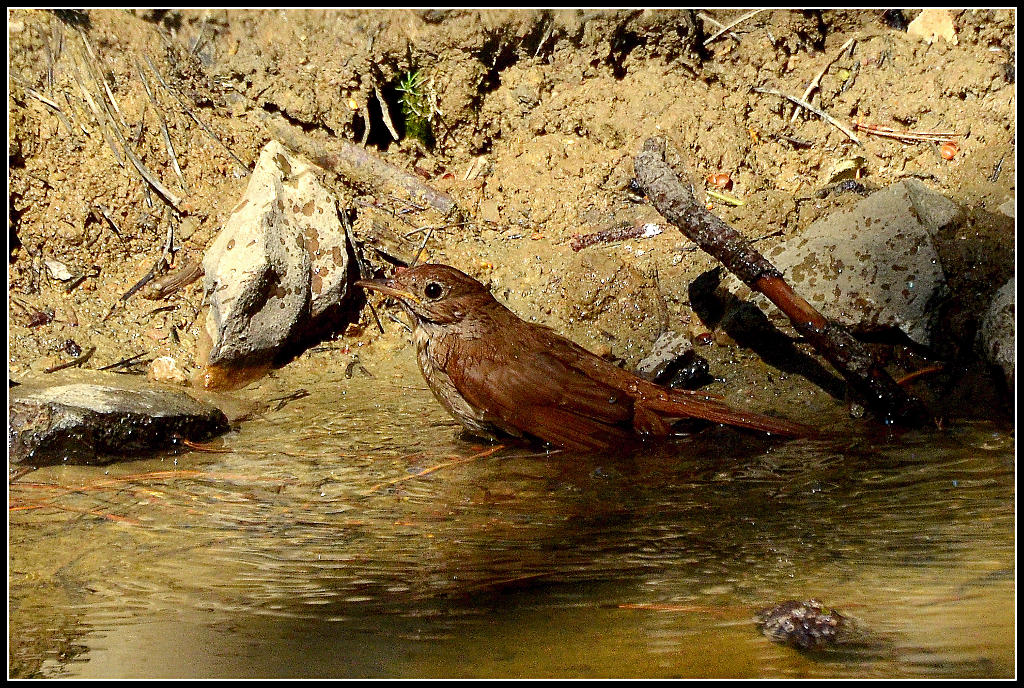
(675, 200)
(82, 358)
(359, 165)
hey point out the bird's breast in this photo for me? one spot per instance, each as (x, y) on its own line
(434, 351)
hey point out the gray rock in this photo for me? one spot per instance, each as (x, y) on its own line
(280, 261)
(99, 422)
(871, 267)
(998, 333)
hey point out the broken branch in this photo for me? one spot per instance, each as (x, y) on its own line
(359, 165)
(676, 202)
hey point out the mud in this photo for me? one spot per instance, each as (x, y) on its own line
(533, 119)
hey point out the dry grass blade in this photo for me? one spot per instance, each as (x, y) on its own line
(101, 119)
(71, 115)
(167, 194)
(905, 136)
(97, 75)
(163, 126)
(717, 24)
(185, 109)
(52, 105)
(731, 24)
(109, 125)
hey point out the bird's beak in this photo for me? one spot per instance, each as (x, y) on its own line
(387, 287)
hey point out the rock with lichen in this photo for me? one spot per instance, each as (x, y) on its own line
(280, 262)
(872, 267)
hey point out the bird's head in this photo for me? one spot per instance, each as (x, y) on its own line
(433, 293)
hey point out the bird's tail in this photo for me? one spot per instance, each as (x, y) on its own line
(677, 404)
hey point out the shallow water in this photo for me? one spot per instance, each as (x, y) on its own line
(377, 541)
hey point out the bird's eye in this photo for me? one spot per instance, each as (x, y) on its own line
(432, 290)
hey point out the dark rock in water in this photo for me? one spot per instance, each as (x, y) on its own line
(998, 333)
(689, 371)
(673, 363)
(96, 423)
(805, 625)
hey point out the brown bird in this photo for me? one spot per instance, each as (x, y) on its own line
(499, 375)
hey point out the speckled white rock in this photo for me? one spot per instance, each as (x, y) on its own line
(998, 333)
(280, 261)
(870, 267)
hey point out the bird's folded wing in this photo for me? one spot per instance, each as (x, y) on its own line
(547, 399)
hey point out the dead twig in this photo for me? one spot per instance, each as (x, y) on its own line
(676, 202)
(997, 170)
(196, 446)
(294, 396)
(126, 362)
(105, 212)
(435, 467)
(918, 373)
(690, 608)
(905, 136)
(364, 272)
(385, 115)
(359, 165)
(620, 233)
(816, 81)
(85, 356)
(820, 113)
(158, 268)
(427, 228)
(423, 246)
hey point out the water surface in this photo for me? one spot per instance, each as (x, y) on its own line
(348, 538)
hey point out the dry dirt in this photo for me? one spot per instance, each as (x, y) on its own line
(535, 118)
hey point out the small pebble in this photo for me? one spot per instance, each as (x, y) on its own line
(165, 369)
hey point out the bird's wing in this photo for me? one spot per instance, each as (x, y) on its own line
(537, 393)
(654, 405)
